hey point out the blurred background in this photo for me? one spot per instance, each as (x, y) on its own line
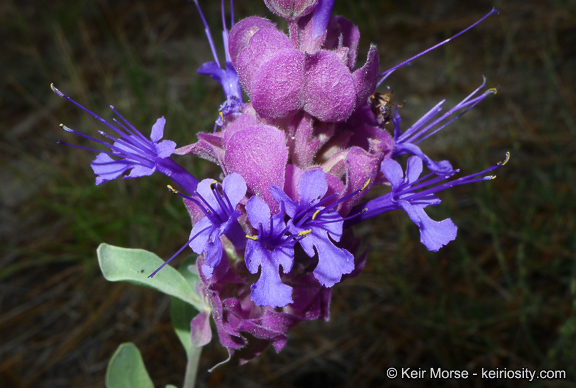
(503, 295)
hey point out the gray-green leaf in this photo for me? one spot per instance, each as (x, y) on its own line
(134, 266)
(126, 369)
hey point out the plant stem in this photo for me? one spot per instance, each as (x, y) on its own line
(192, 367)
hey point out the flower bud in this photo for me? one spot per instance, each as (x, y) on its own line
(291, 9)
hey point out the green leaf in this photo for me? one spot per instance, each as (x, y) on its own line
(182, 313)
(126, 369)
(134, 266)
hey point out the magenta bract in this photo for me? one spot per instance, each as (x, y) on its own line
(291, 9)
(282, 78)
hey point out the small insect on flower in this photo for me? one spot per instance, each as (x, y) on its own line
(381, 106)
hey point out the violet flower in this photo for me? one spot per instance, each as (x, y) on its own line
(133, 151)
(219, 205)
(412, 194)
(313, 216)
(272, 248)
(406, 142)
(321, 18)
(227, 77)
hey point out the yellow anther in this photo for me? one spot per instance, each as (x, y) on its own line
(213, 184)
(304, 232)
(221, 116)
(503, 163)
(493, 90)
(315, 214)
(365, 184)
(252, 238)
(172, 189)
(55, 90)
(491, 177)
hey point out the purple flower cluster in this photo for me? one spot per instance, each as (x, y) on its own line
(297, 159)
